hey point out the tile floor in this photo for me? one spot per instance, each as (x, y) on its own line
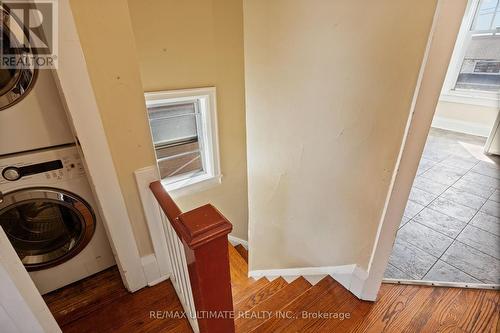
(451, 226)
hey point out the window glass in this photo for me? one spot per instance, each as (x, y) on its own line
(175, 131)
(184, 132)
(480, 68)
(179, 159)
(173, 123)
(486, 14)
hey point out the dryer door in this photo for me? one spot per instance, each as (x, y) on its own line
(46, 226)
(16, 79)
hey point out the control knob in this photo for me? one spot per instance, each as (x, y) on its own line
(11, 173)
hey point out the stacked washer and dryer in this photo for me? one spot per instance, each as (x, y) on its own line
(47, 208)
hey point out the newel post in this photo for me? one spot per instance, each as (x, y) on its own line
(204, 233)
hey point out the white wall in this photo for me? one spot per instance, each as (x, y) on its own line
(329, 86)
(22, 308)
(465, 118)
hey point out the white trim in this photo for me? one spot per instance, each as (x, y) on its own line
(209, 142)
(470, 99)
(460, 126)
(495, 132)
(192, 185)
(237, 241)
(74, 81)
(143, 178)
(152, 270)
(444, 284)
(22, 308)
(352, 277)
(459, 49)
(412, 146)
(357, 286)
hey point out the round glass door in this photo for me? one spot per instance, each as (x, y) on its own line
(17, 79)
(46, 226)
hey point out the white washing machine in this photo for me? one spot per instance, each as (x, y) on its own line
(31, 112)
(48, 212)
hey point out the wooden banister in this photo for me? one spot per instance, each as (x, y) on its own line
(203, 232)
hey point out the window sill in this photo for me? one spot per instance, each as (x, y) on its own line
(470, 98)
(191, 185)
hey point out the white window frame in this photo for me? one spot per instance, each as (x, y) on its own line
(208, 140)
(448, 94)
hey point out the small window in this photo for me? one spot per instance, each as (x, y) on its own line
(184, 130)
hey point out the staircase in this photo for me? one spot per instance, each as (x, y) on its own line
(204, 264)
(277, 306)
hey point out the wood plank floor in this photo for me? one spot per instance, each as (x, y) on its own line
(101, 304)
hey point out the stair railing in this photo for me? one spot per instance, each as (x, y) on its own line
(198, 250)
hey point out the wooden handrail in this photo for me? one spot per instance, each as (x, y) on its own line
(167, 205)
(203, 232)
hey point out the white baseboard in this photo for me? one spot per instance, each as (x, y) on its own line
(152, 270)
(352, 277)
(461, 126)
(236, 241)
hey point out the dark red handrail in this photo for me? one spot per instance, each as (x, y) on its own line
(203, 232)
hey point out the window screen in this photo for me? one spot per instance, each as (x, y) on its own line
(176, 130)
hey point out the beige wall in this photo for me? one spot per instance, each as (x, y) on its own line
(199, 43)
(107, 40)
(329, 86)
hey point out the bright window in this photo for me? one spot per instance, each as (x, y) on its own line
(184, 131)
(474, 73)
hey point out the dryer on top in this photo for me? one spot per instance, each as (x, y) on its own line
(31, 113)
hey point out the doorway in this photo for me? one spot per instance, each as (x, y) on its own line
(450, 231)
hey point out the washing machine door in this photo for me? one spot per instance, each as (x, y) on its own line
(46, 226)
(17, 79)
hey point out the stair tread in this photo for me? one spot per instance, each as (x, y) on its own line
(329, 303)
(242, 251)
(260, 295)
(301, 303)
(274, 303)
(242, 293)
(239, 273)
(238, 266)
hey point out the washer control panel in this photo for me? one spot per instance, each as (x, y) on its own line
(49, 166)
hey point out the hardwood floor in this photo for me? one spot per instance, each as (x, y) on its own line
(101, 304)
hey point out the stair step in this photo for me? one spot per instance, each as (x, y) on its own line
(274, 303)
(327, 303)
(295, 307)
(242, 251)
(251, 289)
(238, 265)
(244, 304)
(239, 272)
